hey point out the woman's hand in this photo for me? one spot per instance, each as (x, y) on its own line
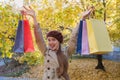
(28, 11)
(58, 72)
(88, 12)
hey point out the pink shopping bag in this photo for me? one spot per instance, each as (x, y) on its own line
(85, 44)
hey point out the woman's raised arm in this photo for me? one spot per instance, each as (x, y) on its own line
(72, 41)
(73, 38)
(37, 31)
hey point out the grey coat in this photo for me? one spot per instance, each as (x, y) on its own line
(51, 62)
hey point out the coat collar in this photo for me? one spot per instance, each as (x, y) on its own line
(53, 55)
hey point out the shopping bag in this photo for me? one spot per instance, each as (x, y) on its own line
(79, 38)
(19, 41)
(28, 42)
(98, 37)
(85, 44)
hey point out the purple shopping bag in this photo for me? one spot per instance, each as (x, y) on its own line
(19, 41)
(85, 44)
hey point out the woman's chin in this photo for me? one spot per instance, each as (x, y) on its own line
(51, 48)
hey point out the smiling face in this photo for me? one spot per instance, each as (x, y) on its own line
(53, 43)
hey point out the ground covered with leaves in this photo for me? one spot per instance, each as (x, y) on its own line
(83, 69)
(79, 69)
(13, 69)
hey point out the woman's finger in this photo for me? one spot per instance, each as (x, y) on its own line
(30, 7)
(23, 12)
(26, 8)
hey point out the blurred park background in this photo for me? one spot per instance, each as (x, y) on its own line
(62, 15)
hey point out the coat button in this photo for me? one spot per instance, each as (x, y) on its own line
(48, 60)
(48, 68)
(48, 77)
(59, 76)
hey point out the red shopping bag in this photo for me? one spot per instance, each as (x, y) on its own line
(28, 42)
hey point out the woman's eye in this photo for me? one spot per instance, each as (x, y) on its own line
(48, 39)
(53, 39)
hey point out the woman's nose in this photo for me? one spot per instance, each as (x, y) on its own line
(50, 42)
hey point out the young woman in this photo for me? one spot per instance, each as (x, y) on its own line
(56, 58)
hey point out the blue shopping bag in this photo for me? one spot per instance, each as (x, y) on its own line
(79, 38)
(19, 40)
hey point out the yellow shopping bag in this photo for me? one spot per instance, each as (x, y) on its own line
(98, 37)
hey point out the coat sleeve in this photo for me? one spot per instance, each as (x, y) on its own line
(72, 41)
(39, 39)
